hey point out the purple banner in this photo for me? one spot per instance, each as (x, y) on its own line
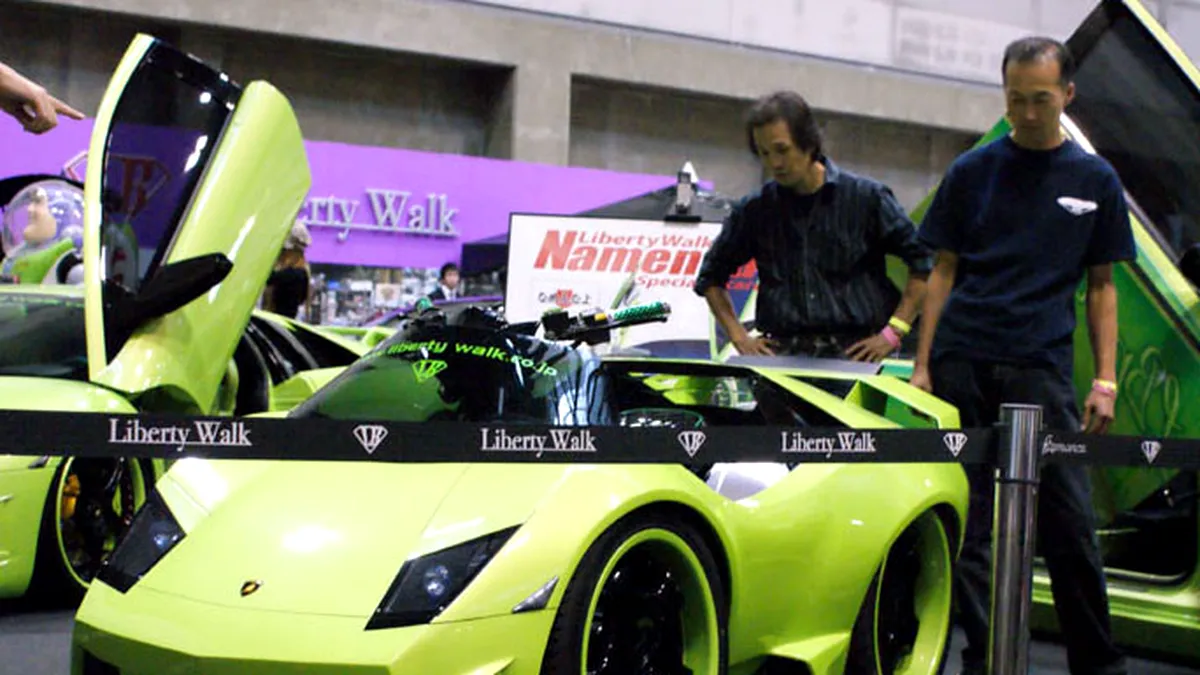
(386, 207)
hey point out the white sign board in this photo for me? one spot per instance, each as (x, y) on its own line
(578, 263)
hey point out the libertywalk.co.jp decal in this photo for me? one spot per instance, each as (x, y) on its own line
(438, 347)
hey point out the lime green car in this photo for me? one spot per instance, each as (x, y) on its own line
(54, 547)
(269, 567)
(181, 233)
(1137, 104)
(266, 567)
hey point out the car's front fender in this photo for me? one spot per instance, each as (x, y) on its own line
(581, 503)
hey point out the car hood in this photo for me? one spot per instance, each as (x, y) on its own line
(326, 538)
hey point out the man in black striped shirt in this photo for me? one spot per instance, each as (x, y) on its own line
(819, 235)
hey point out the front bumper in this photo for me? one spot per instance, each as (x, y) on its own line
(149, 632)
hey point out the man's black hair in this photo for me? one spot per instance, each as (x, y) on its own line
(1037, 47)
(793, 110)
(446, 269)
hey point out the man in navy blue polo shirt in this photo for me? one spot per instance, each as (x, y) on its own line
(1018, 224)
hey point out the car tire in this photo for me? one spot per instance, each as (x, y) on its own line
(617, 608)
(55, 578)
(903, 626)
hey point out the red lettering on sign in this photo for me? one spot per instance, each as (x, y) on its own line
(562, 251)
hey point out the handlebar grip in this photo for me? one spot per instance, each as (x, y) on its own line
(647, 312)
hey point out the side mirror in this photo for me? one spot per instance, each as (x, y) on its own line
(1189, 264)
(177, 284)
(172, 287)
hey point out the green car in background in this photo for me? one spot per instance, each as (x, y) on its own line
(175, 257)
(1138, 105)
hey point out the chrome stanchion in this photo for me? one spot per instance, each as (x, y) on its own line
(1013, 539)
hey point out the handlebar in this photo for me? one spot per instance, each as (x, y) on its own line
(594, 327)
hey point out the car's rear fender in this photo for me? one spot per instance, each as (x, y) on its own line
(46, 394)
(24, 483)
(26, 480)
(301, 386)
(808, 546)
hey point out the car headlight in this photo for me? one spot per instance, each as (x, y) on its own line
(426, 586)
(152, 534)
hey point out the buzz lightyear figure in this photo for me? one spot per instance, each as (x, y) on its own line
(43, 235)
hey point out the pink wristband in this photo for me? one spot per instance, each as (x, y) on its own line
(891, 336)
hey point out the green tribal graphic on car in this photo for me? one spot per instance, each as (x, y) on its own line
(427, 368)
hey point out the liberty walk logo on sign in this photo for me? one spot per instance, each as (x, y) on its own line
(954, 442)
(558, 440)
(691, 441)
(1151, 449)
(370, 436)
(201, 433)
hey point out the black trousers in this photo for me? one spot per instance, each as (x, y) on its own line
(1066, 529)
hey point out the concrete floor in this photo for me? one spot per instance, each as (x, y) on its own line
(35, 641)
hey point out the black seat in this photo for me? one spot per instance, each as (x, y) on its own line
(254, 386)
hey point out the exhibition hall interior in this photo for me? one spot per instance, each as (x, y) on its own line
(521, 337)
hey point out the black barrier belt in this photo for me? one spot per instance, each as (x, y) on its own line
(1108, 450)
(174, 437)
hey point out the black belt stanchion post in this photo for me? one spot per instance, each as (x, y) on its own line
(1014, 538)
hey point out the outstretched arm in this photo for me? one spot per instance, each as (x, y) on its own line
(30, 104)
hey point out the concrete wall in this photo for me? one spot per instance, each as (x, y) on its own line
(373, 97)
(653, 131)
(469, 79)
(954, 38)
(340, 92)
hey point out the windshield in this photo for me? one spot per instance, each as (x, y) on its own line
(1142, 113)
(163, 130)
(433, 372)
(42, 336)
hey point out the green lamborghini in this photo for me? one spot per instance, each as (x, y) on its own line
(186, 206)
(287, 566)
(265, 567)
(51, 544)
